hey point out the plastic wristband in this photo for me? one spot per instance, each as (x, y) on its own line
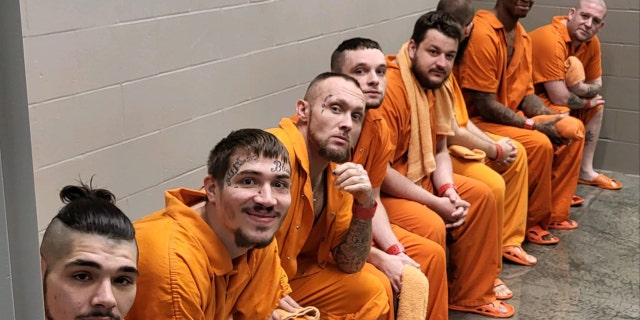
(443, 188)
(587, 103)
(499, 152)
(363, 213)
(395, 249)
(528, 124)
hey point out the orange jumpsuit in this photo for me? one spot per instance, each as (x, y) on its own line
(510, 191)
(474, 246)
(552, 170)
(187, 273)
(305, 246)
(553, 42)
(374, 152)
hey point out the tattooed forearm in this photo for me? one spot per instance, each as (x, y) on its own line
(235, 167)
(575, 102)
(490, 110)
(351, 254)
(279, 166)
(532, 106)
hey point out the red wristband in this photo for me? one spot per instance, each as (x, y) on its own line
(363, 213)
(499, 152)
(587, 103)
(528, 124)
(443, 188)
(395, 249)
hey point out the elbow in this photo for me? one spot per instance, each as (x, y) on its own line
(351, 268)
(559, 100)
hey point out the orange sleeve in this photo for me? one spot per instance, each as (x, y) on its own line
(174, 282)
(396, 113)
(482, 64)
(374, 150)
(268, 284)
(592, 60)
(549, 54)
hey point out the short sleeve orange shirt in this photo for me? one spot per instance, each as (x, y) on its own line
(484, 65)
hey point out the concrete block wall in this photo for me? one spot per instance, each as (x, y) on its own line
(137, 92)
(619, 143)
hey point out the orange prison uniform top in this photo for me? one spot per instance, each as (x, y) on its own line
(305, 245)
(552, 171)
(508, 183)
(474, 246)
(553, 42)
(187, 273)
(374, 152)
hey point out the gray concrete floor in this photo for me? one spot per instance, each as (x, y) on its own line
(594, 272)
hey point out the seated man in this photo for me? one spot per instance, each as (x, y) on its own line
(506, 170)
(421, 193)
(210, 254)
(325, 239)
(88, 257)
(495, 75)
(395, 247)
(574, 36)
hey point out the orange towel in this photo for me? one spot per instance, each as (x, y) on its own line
(568, 127)
(413, 298)
(421, 159)
(465, 153)
(306, 313)
(574, 71)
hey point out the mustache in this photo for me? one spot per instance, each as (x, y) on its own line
(99, 313)
(261, 208)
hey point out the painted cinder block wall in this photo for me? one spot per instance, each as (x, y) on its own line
(619, 143)
(137, 92)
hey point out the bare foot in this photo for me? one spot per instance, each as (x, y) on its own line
(501, 290)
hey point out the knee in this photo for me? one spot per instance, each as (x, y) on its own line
(540, 147)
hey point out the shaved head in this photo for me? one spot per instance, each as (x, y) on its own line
(461, 10)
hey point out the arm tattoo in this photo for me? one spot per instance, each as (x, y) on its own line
(592, 90)
(492, 111)
(280, 166)
(351, 254)
(235, 167)
(574, 102)
(588, 137)
(532, 106)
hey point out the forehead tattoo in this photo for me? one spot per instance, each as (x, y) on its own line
(235, 167)
(324, 102)
(279, 166)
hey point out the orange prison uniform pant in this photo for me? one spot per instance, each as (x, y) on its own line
(327, 289)
(553, 172)
(509, 186)
(474, 251)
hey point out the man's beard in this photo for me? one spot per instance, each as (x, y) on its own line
(244, 241)
(424, 81)
(334, 155)
(324, 150)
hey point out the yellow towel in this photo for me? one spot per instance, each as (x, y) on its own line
(421, 159)
(574, 71)
(306, 313)
(567, 127)
(413, 299)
